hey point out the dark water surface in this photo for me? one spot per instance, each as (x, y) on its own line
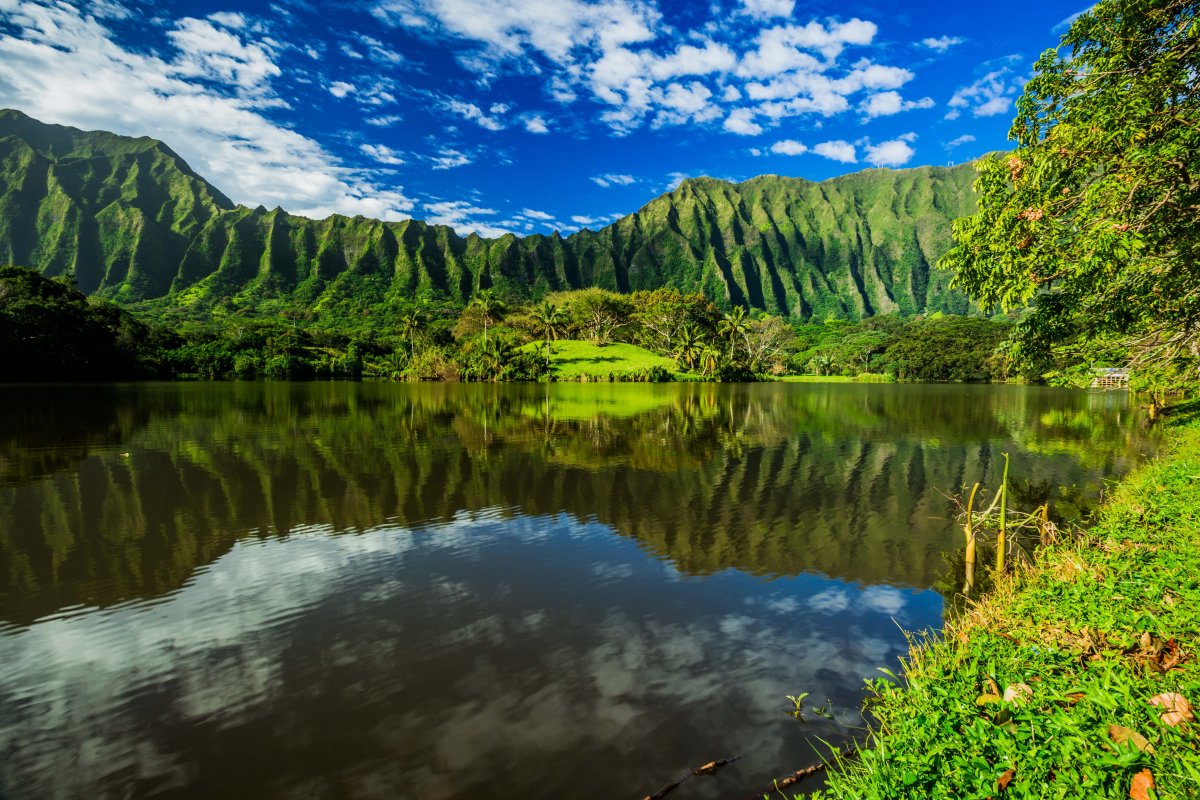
(390, 591)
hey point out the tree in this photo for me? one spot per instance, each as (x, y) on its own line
(689, 346)
(1095, 218)
(410, 323)
(599, 313)
(490, 306)
(551, 320)
(767, 342)
(732, 326)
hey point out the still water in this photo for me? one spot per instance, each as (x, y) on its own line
(342, 590)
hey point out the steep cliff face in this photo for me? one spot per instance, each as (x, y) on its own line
(133, 222)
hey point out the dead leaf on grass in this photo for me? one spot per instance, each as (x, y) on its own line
(1139, 788)
(1176, 709)
(1122, 735)
(1018, 693)
(1004, 780)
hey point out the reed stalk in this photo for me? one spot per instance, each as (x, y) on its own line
(1002, 537)
(969, 530)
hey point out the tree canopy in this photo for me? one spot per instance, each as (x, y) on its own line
(1094, 219)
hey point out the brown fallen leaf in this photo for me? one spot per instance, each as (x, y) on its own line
(1139, 788)
(1004, 780)
(1122, 735)
(1177, 710)
(1018, 693)
(1075, 697)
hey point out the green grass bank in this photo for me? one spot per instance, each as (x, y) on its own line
(1073, 678)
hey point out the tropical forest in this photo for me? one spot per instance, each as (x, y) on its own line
(598, 399)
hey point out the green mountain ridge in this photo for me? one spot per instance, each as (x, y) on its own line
(134, 223)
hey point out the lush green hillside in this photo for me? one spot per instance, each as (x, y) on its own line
(135, 223)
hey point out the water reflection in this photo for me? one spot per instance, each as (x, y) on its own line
(355, 590)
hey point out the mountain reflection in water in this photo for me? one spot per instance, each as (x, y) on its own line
(367, 590)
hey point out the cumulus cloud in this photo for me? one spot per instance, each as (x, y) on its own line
(465, 218)
(958, 141)
(741, 121)
(647, 73)
(449, 158)
(612, 179)
(837, 150)
(208, 96)
(988, 96)
(535, 124)
(382, 154)
(893, 153)
(769, 8)
(788, 147)
(885, 104)
(941, 43)
(469, 111)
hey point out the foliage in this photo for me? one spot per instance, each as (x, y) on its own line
(1095, 218)
(49, 330)
(1067, 681)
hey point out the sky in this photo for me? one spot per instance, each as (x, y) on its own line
(524, 116)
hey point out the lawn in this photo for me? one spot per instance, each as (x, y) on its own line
(1074, 678)
(573, 360)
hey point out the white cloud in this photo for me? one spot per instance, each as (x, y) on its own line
(892, 153)
(600, 220)
(885, 104)
(647, 73)
(789, 147)
(538, 215)
(219, 54)
(207, 98)
(610, 179)
(769, 8)
(340, 89)
(474, 113)
(464, 218)
(535, 124)
(958, 141)
(385, 120)
(1066, 23)
(837, 150)
(741, 121)
(942, 43)
(448, 158)
(990, 95)
(382, 154)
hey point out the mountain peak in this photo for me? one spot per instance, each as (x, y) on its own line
(134, 229)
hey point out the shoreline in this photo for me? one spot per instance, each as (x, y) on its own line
(1044, 687)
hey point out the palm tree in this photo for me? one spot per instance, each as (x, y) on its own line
(410, 323)
(691, 344)
(491, 306)
(495, 358)
(551, 320)
(733, 325)
(710, 359)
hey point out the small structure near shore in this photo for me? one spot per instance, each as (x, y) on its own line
(1110, 378)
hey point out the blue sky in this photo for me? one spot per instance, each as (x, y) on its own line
(524, 115)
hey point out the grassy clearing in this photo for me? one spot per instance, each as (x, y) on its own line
(573, 360)
(1045, 688)
(865, 377)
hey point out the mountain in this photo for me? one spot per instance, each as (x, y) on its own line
(134, 222)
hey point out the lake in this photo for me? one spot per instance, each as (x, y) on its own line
(367, 590)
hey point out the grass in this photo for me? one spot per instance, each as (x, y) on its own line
(1081, 642)
(574, 360)
(865, 377)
